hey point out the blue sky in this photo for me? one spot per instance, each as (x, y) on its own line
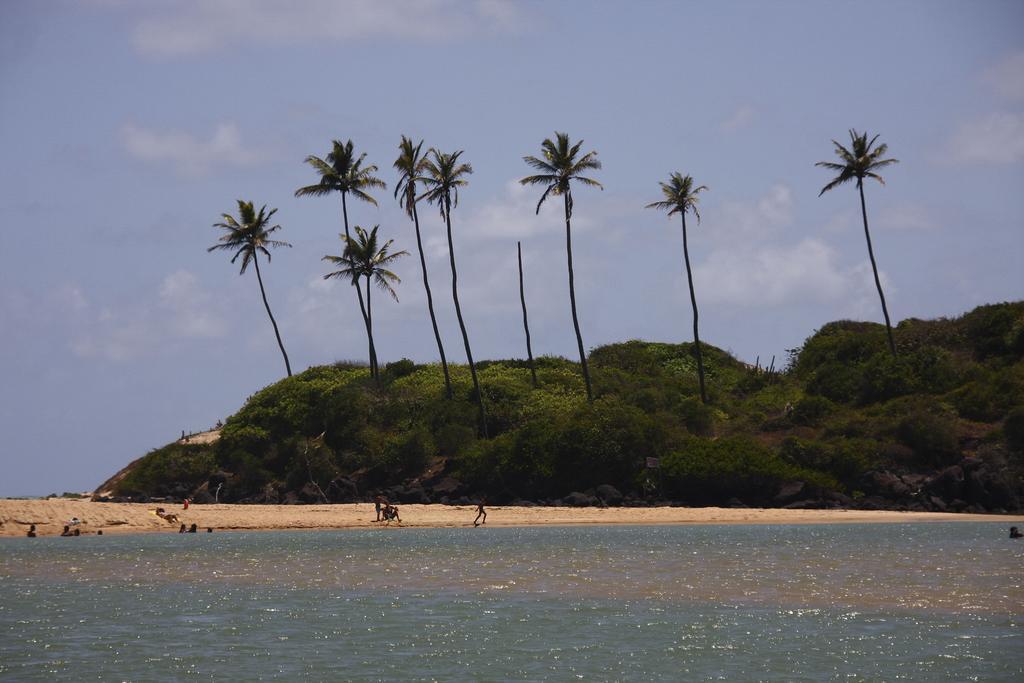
(128, 128)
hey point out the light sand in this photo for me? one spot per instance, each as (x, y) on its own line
(51, 515)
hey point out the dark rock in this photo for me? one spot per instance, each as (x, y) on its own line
(873, 503)
(448, 486)
(735, 503)
(886, 485)
(291, 498)
(414, 496)
(789, 492)
(609, 494)
(970, 464)
(840, 499)
(937, 504)
(579, 500)
(311, 493)
(524, 503)
(342, 490)
(947, 484)
(804, 505)
(202, 496)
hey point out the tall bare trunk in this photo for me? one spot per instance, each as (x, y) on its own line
(458, 313)
(874, 268)
(430, 304)
(359, 294)
(369, 328)
(572, 299)
(526, 322)
(693, 302)
(263, 293)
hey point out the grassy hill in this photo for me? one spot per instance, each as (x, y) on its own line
(939, 427)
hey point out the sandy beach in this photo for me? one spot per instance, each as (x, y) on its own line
(51, 515)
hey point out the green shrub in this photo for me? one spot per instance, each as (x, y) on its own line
(931, 435)
(188, 465)
(706, 471)
(836, 381)
(1013, 429)
(699, 418)
(995, 330)
(811, 410)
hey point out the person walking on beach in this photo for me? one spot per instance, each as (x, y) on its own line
(480, 512)
(379, 503)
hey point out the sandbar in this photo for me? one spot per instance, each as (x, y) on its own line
(51, 515)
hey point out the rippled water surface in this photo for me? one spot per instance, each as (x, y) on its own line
(927, 602)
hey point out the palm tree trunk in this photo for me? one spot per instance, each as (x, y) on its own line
(430, 304)
(693, 302)
(526, 322)
(359, 294)
(458, 313)
(572, 299)
(874, 268)
(263, 293)
(369, 328)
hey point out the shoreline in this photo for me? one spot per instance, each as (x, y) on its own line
(51, 515)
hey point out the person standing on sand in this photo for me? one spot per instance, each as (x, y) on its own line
(480, 512)
(31, 531)
(378, 503)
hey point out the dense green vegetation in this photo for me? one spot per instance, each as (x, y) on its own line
(844, 407)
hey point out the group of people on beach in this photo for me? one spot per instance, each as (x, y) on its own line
(386, 512)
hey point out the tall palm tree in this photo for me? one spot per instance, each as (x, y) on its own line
(343, 172)
(526, 320)
(442, 175)
(248, 236)
(862, 162)
(364, 257)
(410, 166)
(558, 169)
(681, 197)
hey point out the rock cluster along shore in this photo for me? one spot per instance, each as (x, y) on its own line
(972, 486)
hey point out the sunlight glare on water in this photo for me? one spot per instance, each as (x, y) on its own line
(929, 602)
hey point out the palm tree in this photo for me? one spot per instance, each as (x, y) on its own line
(410, 165)
(364, 258)
(526, 320)
(862, 162)
(681, 197)
(249, 236)
(343, 172)
(559, 168)
(442, 175)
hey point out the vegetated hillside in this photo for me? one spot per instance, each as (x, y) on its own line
(939, 427)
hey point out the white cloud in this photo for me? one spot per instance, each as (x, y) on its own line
(513, 215)
(207, 25)
(185, 311)
(772, 275)
(904, 217)
(996, 138)
(734, 221)
(190, 155)
(740, 118)
(1007, 77)
(192, 315)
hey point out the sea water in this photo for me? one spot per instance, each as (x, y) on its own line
(886, 602)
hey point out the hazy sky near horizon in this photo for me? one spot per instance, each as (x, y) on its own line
(128, 128)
